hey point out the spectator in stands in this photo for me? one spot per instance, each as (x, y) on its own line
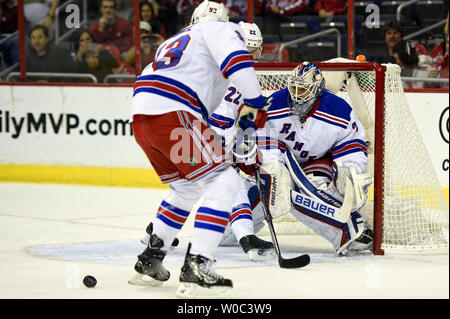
(112, 29)
(148, 14)
(85, 38)
(327, 9)
(9, 49)
(45, 56)
(8, 16)
(167, 13)
(40, 12)
(439, 50)
(149, 44)
(393, 34)
(81, 45)
(98, 61)
(279, 11)
(411, 65)
(443, 66)
(185, 8)
(237, 9)
(406, 57)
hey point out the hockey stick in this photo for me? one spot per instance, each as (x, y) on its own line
(295, 262)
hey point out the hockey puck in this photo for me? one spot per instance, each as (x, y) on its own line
(89, 281)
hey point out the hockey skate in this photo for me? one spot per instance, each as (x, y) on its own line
(360, 237)
(146, 239)
(256, 248)
(362, 243)
(149, 268)
(198, 279)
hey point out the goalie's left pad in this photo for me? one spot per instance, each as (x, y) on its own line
(360, 183)
(324, 199)
(277, 185)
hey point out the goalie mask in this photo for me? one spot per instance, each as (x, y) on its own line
(305, 84)
(208, 10)
(254, 38)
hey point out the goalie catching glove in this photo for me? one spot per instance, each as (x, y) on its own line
(253, 117)
(361, 183)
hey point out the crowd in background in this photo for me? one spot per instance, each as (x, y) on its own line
(104, 45)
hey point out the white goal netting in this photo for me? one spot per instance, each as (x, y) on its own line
(413, 204)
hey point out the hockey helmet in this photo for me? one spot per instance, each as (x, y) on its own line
(209, 10)
(253, 37)
(305, 84)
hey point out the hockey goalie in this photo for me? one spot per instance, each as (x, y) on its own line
(312, 154)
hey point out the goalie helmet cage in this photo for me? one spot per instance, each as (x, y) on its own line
(408, 207)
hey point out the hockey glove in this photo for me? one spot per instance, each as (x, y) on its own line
(254, 118)
(247, 156)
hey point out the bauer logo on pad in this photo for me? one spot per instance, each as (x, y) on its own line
(313, 205)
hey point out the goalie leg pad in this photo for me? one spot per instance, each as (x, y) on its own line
(325, 230)
(277, 185)
(305, 185)
(322, 219)
(325, 220)
(354, 228)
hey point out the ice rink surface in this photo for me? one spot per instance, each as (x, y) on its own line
(51, 236)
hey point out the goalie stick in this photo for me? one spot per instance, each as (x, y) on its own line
(295, 262)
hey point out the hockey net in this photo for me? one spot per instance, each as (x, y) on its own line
(407, 206)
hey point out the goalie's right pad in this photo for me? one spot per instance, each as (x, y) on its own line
(277, 185)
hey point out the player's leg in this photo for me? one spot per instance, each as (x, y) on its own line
(242, 228)
(173, 210)
(198, 278)
(210, 169)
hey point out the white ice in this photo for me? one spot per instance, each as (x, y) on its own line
(51, 236)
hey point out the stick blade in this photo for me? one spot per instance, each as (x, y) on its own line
(297, 262)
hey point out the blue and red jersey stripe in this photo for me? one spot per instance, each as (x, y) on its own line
(236, 61)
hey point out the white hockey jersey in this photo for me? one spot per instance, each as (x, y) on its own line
(193, 69)
(331, 129)
(223, 120)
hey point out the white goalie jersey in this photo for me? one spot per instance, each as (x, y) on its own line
(330, 130)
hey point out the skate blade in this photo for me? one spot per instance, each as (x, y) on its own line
(144, 280)
(145, 240)
(257, 255)
(359, 249)
(194, 291)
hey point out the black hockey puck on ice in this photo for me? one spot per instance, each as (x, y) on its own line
(89, 281)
